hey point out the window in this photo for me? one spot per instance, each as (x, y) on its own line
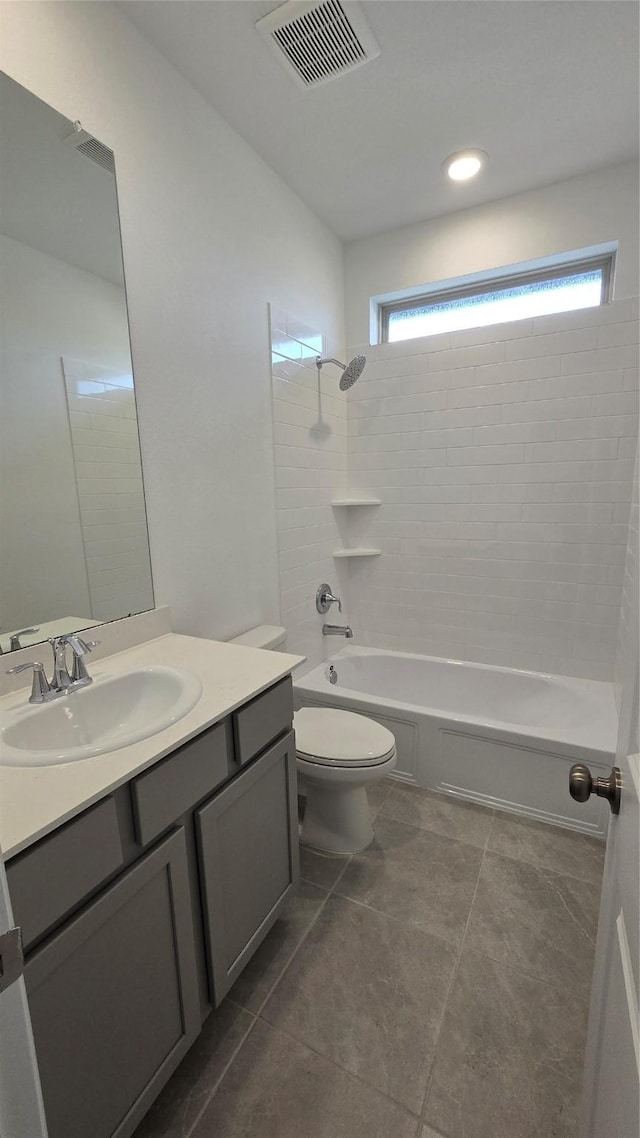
(582, 284)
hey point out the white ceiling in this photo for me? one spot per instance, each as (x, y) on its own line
(548, 87)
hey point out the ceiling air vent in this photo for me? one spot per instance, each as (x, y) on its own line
(319, 40)
(89, 146)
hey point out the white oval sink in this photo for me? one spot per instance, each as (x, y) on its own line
(112, 712)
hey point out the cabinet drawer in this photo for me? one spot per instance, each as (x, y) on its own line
(53, 876)
(167, 790)
(260, 722)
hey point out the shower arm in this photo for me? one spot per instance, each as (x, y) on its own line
(320, 360)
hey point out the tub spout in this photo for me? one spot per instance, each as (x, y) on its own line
(337, 630)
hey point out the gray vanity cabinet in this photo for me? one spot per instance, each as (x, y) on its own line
(248, 854)
(140, 912)
(113, 998)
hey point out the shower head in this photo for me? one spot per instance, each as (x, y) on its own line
(351, 372)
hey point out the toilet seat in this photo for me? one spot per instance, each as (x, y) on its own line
(326, 736)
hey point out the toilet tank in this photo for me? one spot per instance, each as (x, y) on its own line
(263, 636)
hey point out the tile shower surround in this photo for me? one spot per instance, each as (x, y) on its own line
(106, 452)
(367, 1015)
(310, 464)
(627, 647)
(503, 457)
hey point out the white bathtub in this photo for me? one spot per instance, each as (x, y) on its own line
(497, 736)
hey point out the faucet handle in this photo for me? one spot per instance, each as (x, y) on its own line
(14, 643)
(325, 599)
(80, 648)
(40, 689)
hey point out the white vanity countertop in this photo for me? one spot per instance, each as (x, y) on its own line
(34, 800)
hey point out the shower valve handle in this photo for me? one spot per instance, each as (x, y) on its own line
(325, 599)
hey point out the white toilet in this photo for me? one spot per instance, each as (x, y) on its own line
(338, 755)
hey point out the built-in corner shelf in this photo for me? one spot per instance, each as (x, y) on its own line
(356, 552)
(356, 502)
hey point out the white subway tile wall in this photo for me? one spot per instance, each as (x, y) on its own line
(104, 438)
(626, 667)
(504, 460)
(310, 448)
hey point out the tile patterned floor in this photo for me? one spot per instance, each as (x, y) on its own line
(434, 986)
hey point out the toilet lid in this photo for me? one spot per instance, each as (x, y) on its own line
(324, 733)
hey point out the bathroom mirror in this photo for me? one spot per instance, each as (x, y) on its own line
(74, 549)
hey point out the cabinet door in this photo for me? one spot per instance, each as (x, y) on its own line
(113, 999)
(248, 852)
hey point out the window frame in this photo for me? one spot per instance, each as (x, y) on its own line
(604, 261)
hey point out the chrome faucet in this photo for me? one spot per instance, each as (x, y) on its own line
(337, 630)
(63, 682)
(78, 677)
(61, 679)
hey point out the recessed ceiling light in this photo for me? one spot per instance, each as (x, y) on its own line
(464, 164)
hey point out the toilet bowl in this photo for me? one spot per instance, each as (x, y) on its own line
(338, 755)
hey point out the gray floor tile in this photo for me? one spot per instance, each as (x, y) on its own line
(321, 869)
(256, 981)
(278, 1088)
(542, 922)
(509, 1059)
(415, 876)
(369, 993)
(563, 850)
(429, 1132)
(174, 1113)
(440, 813)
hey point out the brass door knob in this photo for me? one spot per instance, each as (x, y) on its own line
(582, 786)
